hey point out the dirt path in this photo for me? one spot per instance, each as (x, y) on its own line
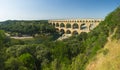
(22, 37)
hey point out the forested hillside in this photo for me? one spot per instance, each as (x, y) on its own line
(38, 29)
(17, 27)
(73, 53)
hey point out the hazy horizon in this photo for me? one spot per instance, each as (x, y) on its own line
(55, 9)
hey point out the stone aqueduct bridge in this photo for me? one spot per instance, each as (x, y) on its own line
(75, 26)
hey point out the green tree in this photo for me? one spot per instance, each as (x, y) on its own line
(12, 64)
(28, 61)
(2, 38)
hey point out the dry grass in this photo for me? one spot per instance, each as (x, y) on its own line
(110, 61)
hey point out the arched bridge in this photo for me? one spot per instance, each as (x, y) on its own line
(75, 26)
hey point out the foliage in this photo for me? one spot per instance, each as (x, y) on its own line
(12, 64)
(28, 61)
(32, 56)
(29, 28)
(2, 38)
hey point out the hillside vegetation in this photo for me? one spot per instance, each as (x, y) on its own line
(28, 28)
(73, 53)
(107, 58)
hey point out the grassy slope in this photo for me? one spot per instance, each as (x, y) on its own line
(110, 61)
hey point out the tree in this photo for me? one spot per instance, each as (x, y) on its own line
(12, 64)
(82, 36)
(28, 61)
(2, 38)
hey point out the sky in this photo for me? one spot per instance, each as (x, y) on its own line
(55, 9)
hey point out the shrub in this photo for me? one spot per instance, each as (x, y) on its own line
(105, 51)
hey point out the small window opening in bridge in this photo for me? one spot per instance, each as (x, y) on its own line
(68, 25)
(53, 24)
(57, 25)
(75, 33)
(68, 32)
(62, 31)
(83, 26)
(91, 27)
(62, 25)
(75, 26)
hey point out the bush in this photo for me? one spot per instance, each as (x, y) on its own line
(105, 51)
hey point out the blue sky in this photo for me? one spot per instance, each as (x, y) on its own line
(55, 9)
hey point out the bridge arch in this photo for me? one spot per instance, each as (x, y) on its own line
(75, 26)
(62, 25)
(75, 33)
(57, 29)
(68, 25)
(62, 31)
(57, 24)
(68, 32)
(83, 26)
